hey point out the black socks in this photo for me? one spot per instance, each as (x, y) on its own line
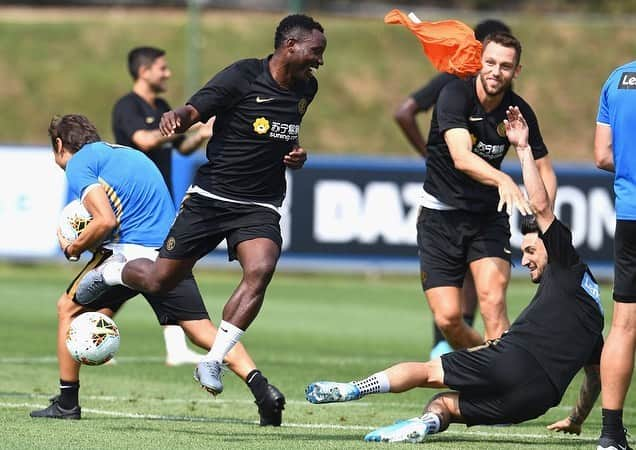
(257, 383)
(613, 424)
(69, 394)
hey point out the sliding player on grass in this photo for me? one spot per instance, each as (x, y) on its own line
(132, 210)
(521, 375)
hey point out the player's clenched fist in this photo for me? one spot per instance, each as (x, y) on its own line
(170, 121)
(296, 158)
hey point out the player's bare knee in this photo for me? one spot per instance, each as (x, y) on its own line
(449, 324)
(259, 274)
(66, 307)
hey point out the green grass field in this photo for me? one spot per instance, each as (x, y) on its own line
(311, 327)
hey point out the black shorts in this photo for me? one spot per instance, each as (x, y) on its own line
(182, 303)
(498, 383)
(625, 261)
(449, 240)
(202, 223)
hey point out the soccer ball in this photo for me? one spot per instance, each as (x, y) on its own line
(92, 338)
(73, 220)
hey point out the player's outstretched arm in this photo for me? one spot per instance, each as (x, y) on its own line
(590, 389)
(459, 145)
(517, 132)
(548, 176)
(197, 136)
(147, 140)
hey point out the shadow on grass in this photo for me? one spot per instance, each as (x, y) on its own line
(548, 442)
(273, 434)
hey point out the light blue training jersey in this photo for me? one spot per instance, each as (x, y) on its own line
(136, 190)
(617, 108)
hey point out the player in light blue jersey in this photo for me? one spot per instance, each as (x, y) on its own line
(615, 151)
(144, 211)
(135, 190)
(131, 212)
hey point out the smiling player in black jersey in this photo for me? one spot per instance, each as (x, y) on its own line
(462, 225)
(527, 370)
(421, 101)
(259, 105)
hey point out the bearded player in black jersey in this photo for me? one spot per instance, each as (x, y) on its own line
(236, 195)
(421, 101)
(526, 371)
(462, 225)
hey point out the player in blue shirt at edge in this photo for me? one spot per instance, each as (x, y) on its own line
(614, 151)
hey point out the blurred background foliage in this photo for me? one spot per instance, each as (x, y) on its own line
(71, 59)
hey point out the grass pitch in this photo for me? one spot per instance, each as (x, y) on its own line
(312, 327)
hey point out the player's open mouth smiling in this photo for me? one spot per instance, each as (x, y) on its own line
(493, 81)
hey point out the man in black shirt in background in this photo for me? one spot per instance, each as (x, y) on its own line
(135, 121)
(526, 371)
(259, 105)
(136, 115)
(420, 101)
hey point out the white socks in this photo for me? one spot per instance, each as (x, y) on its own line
(378, 383)
(432, 422)
(112, 274)
(226, 337)
(175, 340)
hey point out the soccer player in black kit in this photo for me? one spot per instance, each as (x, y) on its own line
(236, 195)
(526, 371)
(420, 101)
(462, 225)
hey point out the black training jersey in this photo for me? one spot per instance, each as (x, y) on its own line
(427, 95)
(131, 114)
(257, 123)
(562, 326)
(459, 107)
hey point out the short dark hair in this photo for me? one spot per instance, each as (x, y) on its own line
(488, 26)
(504, 39)
(74, 130)
(142, 57)
(292, 25)
(529, 224)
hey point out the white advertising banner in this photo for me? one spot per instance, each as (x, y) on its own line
(341, 213)
(32, 193)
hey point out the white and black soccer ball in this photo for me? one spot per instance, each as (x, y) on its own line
(73, 220)
(92, 338)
